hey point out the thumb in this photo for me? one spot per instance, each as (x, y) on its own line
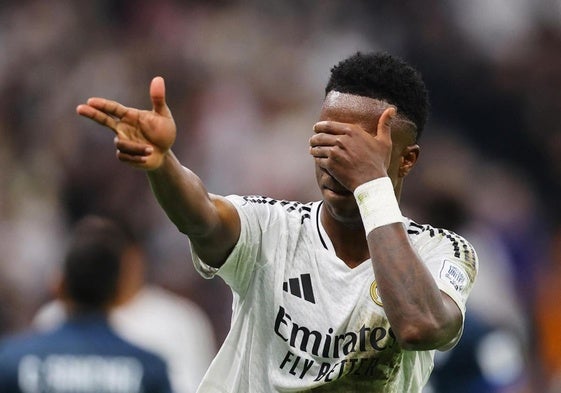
(158, 96)
(385, 121)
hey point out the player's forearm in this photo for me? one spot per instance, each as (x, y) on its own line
(183, 197)
(412, 301)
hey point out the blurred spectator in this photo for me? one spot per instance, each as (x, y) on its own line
(154, 319)
(84, 354)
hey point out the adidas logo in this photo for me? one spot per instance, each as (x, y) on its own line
(300, 287)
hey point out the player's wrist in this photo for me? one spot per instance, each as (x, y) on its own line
(377, 204)
(160, 161)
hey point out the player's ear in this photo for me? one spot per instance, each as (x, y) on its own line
(409, 157)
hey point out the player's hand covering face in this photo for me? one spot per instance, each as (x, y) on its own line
(350, 154)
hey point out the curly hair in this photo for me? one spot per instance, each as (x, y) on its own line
(385, 77)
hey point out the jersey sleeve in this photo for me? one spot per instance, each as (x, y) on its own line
(451, 260)
(240, 264)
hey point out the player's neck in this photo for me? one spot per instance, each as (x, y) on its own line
(349, 242)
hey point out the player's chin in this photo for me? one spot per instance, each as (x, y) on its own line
(342, 205)
(347, 217)
(337, 194)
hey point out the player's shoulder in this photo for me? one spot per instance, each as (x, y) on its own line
(14, 346)
(428, 236)
(268, 205)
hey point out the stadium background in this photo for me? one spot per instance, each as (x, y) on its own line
(245, 81)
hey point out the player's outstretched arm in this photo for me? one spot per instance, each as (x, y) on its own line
(144, 139)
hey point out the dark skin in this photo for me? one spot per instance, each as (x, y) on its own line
(347, 154)
(358, 139)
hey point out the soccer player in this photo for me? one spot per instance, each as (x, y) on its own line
(153, 318)
(84, 354)
(338, 295)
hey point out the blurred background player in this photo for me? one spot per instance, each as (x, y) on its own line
(84, 354)
(153, 318)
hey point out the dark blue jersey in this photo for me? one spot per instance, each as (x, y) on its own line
(84, 355)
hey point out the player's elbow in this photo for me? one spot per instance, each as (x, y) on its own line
(425, 335)
(412, 337)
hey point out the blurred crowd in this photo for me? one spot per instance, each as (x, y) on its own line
(245, 82)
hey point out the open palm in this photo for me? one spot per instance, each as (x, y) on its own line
(143, 136)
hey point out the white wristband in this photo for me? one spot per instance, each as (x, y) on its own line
(377, 204)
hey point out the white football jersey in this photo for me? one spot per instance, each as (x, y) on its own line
(304, 321)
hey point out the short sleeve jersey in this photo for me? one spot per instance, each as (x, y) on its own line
(304, 321)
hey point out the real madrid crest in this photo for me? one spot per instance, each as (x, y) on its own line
(375, 295)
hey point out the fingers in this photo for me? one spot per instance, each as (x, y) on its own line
(325, 140)
(328, 134)
(131, 159)
(109, 107)
(320, 151)
(331, 127)
(133, 148)
(336, 128)
(158, 96)
(322, 145)
(132, 152)
(97, 116)
(103, 112)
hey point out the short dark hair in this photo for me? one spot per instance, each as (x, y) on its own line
(93, 261)
(382, 76)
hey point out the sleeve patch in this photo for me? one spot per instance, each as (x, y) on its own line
(454, 275)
